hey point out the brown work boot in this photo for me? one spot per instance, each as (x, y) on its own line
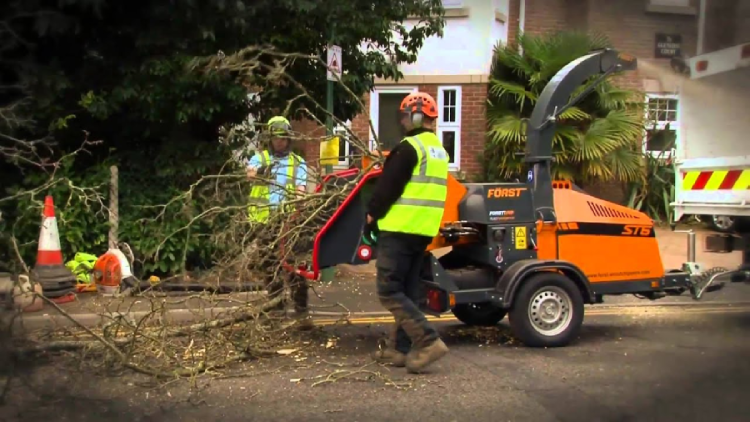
(418, 359)
(390, 356)
(303, 321)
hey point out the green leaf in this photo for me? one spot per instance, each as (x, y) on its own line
(574, 113)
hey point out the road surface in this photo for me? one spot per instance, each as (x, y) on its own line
(629, 364)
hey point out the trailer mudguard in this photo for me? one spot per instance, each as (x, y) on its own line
(512, 278)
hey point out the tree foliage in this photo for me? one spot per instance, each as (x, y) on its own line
(123, 63)
(599, 139)
(120, 71)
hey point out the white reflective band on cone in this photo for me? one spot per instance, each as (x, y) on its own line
(49, 238)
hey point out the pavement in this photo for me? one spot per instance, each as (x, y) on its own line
(636, 364)
(353, 292)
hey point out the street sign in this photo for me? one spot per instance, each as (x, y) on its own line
(333, 62)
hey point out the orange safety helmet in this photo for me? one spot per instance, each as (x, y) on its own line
(419, 102)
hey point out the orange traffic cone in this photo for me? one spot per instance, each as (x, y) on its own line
(57, 281)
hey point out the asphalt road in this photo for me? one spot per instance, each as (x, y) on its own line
(357, 293)
(644, 364)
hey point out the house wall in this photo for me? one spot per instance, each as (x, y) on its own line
(462, 57)
(631, 26)
(466, 45)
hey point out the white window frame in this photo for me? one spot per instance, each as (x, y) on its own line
(347, 145)
(660, 125)
(375, 106)
(453, 4)
(670, 3)
(450, 126)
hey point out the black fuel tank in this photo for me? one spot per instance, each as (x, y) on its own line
(493, 203)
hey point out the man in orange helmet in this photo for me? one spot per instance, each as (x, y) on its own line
(406, 209)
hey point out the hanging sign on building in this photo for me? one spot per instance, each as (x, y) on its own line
(668, 46)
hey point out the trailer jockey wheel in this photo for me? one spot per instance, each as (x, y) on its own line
(479, 314)
(547, 311)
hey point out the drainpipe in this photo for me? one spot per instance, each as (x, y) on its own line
(521, 20)
(701, 27)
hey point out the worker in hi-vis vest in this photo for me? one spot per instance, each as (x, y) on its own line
(406, 210)
(279, 175)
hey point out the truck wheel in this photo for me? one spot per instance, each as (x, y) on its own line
(723, 223)
(547, 310)
(479, 314)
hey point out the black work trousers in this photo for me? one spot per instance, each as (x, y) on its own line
(399, 263)
(275, 277)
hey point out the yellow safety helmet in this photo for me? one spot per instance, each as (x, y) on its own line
(279, 126)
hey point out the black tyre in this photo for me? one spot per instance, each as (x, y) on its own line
(479, 314)
(727, 223)
(723, 223)
(547, 310)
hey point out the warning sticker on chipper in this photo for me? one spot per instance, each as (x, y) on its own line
(520, 237)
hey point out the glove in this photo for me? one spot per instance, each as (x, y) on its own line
(264, 171)
(370, 234)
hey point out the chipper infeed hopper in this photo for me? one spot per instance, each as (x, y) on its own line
(536, 250)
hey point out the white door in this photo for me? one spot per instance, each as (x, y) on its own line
(384, 113)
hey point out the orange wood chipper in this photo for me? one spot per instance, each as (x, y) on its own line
(537, 250)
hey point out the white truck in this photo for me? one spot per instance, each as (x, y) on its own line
(712, 154)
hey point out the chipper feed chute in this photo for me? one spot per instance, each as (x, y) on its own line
(536, 250)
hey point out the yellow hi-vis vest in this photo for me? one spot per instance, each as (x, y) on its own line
(419, 210)
(260, 194)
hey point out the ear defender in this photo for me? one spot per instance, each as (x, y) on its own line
(417, 116)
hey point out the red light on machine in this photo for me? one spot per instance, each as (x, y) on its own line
(701, 66)
(364, 253)
(436, 300)
(745, 53)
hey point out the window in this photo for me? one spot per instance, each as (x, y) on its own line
(342, 131)
(453, 4)
(449, 122)
(662, 124)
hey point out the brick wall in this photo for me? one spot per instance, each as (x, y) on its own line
(742, 23)
(310, 133)
(513, 20)
(625, 22)
(473, 126)
(727, 24)
(544, 16)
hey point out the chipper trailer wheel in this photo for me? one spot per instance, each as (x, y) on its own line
(547, 310)
(479, 314)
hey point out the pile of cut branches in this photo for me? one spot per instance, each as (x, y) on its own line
(149, 341)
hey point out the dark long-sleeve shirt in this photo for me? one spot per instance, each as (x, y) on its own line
(397, 170)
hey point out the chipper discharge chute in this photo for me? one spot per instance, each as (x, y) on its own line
(536, 250)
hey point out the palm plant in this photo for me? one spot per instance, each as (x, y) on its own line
(598, 139)
(655, 189)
